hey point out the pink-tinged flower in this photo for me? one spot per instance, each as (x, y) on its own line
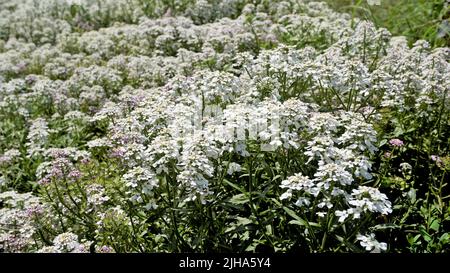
(4, 159)
(118, 152)
(21, 66)
(34, 211)
(387, 155)
(30, 79)
(44, 181)
(59, 153)
(85, 161)
(437, 159)
(396, 142)
(75, 174)
(105, 249)
(56, 172)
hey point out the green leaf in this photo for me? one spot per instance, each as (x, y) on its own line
(278, 203)
(230, 228)
(293, 214)
(413, 240)
(269, 230)
(276, 177)
(435, 225)
(252, 247)
(386, 226)
(426, 236)
(445, 238)
(234, 186)
(303, 223)
(297, 222)
(398, 132)
(239, 199)
(243, 221)
(351, 246)
(424, 211)
(73, 10)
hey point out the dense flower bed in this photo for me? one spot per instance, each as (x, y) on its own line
(168, 126)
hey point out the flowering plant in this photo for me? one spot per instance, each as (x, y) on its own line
(194, 125)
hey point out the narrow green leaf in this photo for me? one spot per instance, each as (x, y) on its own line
(298, 220)
(426, 236)
(293, 214)
(234, 186)
(239, 199)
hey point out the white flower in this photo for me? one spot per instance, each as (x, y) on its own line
(303, 201)
(96, 195)
(68, 243)
(37, 136)
(370, 199)
(286, 195)
(374, 2)
(140, 177)
(371, 244)
(233, 167)
(343, 215)
(99, 142)
(321, 214)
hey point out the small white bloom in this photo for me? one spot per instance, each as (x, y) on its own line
(371, 244)
(342, 215)
(374, 2)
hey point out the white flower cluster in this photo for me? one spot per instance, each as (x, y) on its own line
(340, 149)
(66, 243)
(371, 244)
(16, 229)
(365, 199)
(37, 136)
(140, 180)
(9, 156)
(175, 91)
(96, 195)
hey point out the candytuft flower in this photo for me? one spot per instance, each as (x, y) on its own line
(374, 2)
(371, 244)
(396, 142)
